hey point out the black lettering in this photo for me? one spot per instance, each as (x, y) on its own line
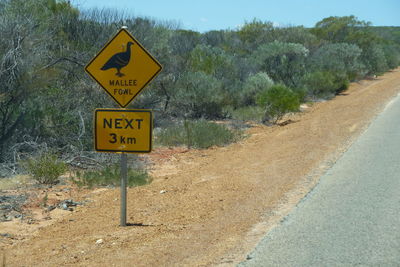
(118, 123)
(114, 138)
(123, 82)
(107, 123)
(131, 140)
(129, 123)
(138, 122)
(122, 139)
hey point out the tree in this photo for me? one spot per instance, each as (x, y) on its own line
(298, 35)
(284, 62)
(21, 73)
(338, 29)
(353, 31)
(375, 59)
(255, 33)
(211, 60)
(340, 58)
(392, 54)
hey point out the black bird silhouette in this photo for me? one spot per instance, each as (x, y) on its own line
(119, 60)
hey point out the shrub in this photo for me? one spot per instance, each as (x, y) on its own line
(375, 59)
(197, 95)
(278, 101)
(198, 134)
(110, 176)
(338, 58)
(254, 85)
(284, 62)
(249, 113)
(301, 93)
(320, 84)
(342, 83)
(325, 84)
(392, 54)
(45, 168)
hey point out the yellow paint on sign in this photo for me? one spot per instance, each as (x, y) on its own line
(123, 68)
(123, 130)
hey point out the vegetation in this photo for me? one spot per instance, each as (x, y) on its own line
(45, 168)
(47, 101)
(110, 176)
(277, 101)
(248, 113)
(197, 134)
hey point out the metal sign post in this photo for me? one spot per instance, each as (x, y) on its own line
(124, 174)
(123, 68)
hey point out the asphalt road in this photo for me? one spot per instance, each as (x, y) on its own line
(352, 217)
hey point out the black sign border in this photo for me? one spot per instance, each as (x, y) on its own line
(144, 49)
(123, 110)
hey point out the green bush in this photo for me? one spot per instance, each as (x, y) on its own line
(338, 59)
(45, 168)
(278, 101)
(325, 84)
(249, 113)
(197, 134)
(320, 84)
(197, 95)
(301, 93)
(254, 85)
(110, 176)
(284, 62)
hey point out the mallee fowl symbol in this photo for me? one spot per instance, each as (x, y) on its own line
(119, 60)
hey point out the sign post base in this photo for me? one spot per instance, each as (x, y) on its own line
(124, 174)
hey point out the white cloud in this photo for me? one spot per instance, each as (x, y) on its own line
(203, 20)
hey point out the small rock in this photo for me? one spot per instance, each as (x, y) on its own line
(99, 241)
(50, 208)
(303, 107)
(163, 191)
(5, 235)
(68, 203)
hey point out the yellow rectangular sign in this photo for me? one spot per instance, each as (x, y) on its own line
(123, 130)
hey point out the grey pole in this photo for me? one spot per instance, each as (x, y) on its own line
(124, 174)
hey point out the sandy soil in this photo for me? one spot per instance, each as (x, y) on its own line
(215, 204)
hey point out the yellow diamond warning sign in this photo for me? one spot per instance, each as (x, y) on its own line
(123, 130)
(123, 68)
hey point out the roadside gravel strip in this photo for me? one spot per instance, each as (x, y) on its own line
(352, 217)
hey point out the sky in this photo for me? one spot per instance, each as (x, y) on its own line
(206, 15)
